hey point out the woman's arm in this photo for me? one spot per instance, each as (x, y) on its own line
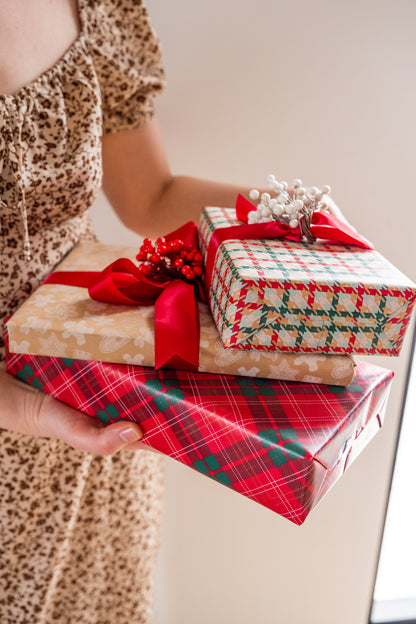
(142, 190)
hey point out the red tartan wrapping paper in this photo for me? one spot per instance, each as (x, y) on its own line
(282, 444)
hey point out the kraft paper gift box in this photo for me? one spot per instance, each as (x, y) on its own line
(310, 297)
(281, 444)
(63, 321)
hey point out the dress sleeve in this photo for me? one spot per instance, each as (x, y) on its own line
(127, 60)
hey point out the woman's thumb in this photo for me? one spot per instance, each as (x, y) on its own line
(83, 432)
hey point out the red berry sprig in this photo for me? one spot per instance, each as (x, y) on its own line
(165, 260)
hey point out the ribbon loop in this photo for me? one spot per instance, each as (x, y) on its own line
(122, 282)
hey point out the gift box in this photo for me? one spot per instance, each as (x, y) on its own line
(310, 297)
(281, 444)
(60, 320)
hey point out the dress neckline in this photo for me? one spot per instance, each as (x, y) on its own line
(56, 68)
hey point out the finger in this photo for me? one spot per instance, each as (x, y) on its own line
(83, 432)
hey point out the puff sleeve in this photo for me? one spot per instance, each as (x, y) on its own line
(127, 59)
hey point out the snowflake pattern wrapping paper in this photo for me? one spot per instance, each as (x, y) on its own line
(309, 297)
(63, 321)
(281, 444)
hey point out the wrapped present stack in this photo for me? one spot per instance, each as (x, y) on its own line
(250, 380)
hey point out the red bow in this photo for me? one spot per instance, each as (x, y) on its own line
(176, 307)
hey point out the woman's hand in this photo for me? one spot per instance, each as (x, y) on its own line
(28, 411)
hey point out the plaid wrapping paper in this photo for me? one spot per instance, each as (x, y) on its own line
(289, 296)
(282, 444)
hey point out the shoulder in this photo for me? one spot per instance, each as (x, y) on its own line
(120, 12)
(121, 25)
(127, 57)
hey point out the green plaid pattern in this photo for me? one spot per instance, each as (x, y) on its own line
(289, 296)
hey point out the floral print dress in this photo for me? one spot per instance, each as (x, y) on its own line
(78, 532)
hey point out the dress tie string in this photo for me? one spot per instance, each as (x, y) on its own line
(16, 112)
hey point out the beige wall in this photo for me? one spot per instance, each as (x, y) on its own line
(323, 90)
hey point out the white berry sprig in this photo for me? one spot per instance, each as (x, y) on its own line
(288, 207)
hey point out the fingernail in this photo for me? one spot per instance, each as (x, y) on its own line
(130, 434)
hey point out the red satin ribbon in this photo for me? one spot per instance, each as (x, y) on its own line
(120, 282)
(176, 308)
(324, 226)
(177, 327)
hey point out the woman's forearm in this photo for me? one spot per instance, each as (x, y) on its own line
(181, 200)
(144, 193)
